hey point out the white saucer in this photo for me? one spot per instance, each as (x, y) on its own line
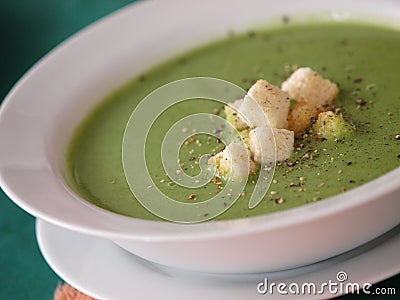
(103, 270)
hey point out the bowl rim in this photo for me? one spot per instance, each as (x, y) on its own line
(115, 226)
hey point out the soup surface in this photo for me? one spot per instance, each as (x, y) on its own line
(363, 60)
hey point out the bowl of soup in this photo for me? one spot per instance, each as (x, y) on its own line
(63, 124)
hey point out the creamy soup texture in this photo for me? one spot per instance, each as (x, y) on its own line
(363, 60)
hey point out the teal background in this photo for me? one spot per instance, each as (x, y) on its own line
(28, 30)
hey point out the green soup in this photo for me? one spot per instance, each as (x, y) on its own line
(363, 60)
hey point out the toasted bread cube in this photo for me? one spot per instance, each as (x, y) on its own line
(302, 116)
(274, 103)
(233, 115)
(331, 126)
(234, 160)
(262, 138)
(306, 85)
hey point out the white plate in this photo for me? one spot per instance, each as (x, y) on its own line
(101, 269)
(35, 131)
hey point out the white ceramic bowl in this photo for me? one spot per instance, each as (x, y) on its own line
(40, 113)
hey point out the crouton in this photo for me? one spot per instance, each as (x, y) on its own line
(302, 116)
(234, 160)
(331, 126)
(274, 103)
(306, 85)
(233, 116)
(262, 138)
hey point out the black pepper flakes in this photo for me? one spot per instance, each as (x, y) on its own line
(361, 102)
(192, 196)
(313, 120)
(251, 34)
(285, 19)
(291, 163)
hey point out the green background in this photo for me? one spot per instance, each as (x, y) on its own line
(28, 30)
